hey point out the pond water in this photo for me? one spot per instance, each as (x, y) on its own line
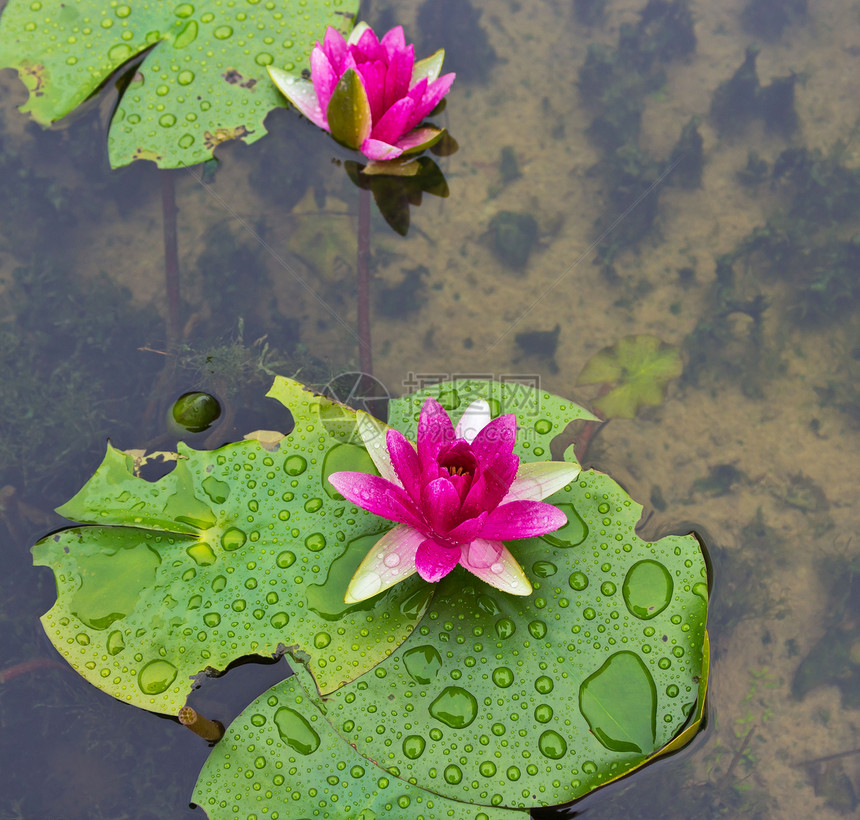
(609, 181)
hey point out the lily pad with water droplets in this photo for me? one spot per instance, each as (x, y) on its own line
(505, 702)
(203, 78)
(639, 368)
(238, 551)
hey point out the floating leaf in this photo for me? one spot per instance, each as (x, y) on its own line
(238, 551)
(640, 367)
(479, 704)
(203, 80)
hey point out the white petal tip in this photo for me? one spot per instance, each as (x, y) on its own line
(362, 586)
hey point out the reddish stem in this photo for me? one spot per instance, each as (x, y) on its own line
(171, 256)
(29, 666)
(365, 353)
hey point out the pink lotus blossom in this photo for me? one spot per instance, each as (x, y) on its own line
(369, 94)
(456, 499)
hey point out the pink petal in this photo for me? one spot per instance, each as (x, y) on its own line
(368, 47)
(522, 519)
(481, 553)
(372, 432)
(376, 495)
(441, 505)
(434, 562)
(373, 74)
(335, 49)
(467, 531)
(491, 484)
(431, 97)
(379, 151)
(474, 419)
(497, 437)
(324, 77)
(404, 459)
(504, 573)
(392, 126)
(537, 480)
(391, 560)
(393, 41)
(399, 75)
(434, 431)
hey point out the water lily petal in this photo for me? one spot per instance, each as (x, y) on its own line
(522, 519)
(372, 432)
(481, 553)
(367, 46)
(492, 484)
(397, 79)
(418, 139)
(324, 77)
(348, 110)
(434, 431)
(393, 41)
(441, 505)
(467, 531)
(404, 460)
(391, 560)
(537, 480)
(474, 419)
(504, 573)
(379, 151)
(373, 72)
(376, 495)
(335, 48)
(356, 33)
(429, 67)
(301, 94)
(434, 561)
(431, 97)
(497, 437)
(392, 125)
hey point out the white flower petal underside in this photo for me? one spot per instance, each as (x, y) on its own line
(504, 573)
(537, 480)
(390, 561)
(474, 419)
(372, 432)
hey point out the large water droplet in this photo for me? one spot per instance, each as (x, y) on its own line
(413, 746)
(455, 707)
(295, 465)
(115, 642)
(505, 627)
(647, 589)
(285, 559)
(218, 491)
(295, 731)
(156, 677)
(619, 701)
(503, 677)
(422, 663)
(233, 539)
(453, 774)
(315, 541)
(572, 533)
(552, 745)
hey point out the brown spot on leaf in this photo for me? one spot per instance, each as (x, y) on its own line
(145, 153)
(33, 76)
(211, 140)
(232, 76)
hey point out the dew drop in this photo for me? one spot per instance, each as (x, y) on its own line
(313, 504)
(455, 707)
(233, 539)
(537, 629)
(544, 569)
(552, 745)
(578, 581)
(544, 685)
(295, 465)
(185, 77)
(422, 663)
(453, 774)
(607, 588)
(572, 533)
(264, 58)
(647, 589)
(543, 713)
(156, 677)
(413, 746)
(211, 619)
(513, 773)
(322, 640)
(543, 426)
(115, 642)
(391, 560)
(285, 559)
(505, 627)
(503, 677)
(279, 620)
(295, 731)
(222, 32)
(315, 541)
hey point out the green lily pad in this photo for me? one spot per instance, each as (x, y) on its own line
(640, 368)
(238, 551)
(479, 704)
(202, 81)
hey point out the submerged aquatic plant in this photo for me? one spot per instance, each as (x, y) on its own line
(455, 500)
(369, 93)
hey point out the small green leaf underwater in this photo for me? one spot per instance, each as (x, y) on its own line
(199, 83)
(439, 699)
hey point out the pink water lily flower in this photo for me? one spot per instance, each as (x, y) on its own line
(369, 94)
(456, 499)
